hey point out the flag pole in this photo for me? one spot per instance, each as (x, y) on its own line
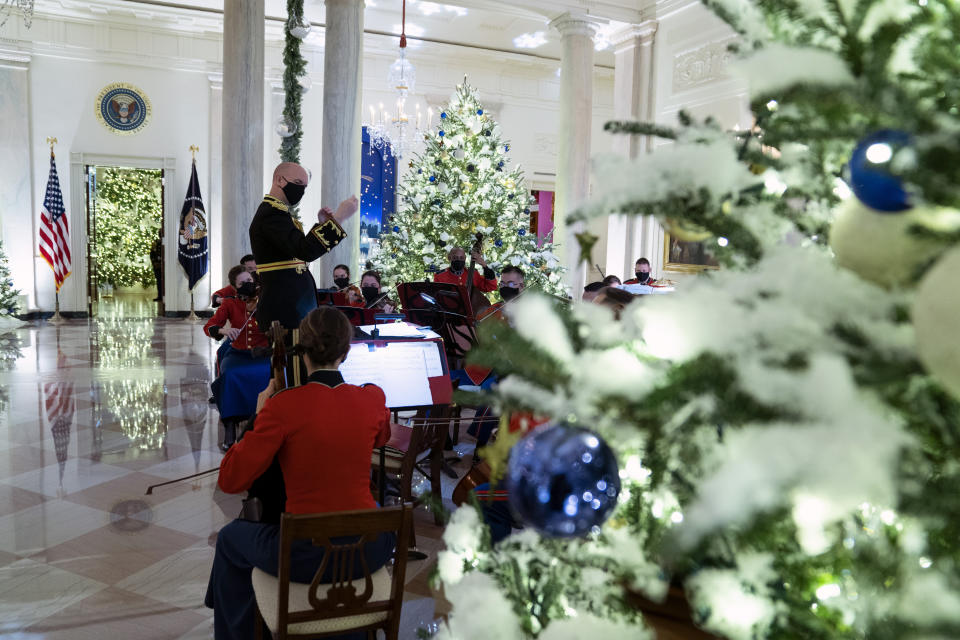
(57, 318)
(193, 317)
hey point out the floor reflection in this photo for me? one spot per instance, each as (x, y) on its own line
(93, 412)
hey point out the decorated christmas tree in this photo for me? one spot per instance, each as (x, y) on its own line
(8, 295)
(128, 221)
(461, 186)
(779, 439)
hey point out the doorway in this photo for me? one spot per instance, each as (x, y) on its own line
(125, 261)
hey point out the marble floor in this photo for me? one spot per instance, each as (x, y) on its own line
(91, 413)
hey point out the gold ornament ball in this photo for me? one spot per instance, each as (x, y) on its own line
(482, 222)
(464, 226)
(684, 231)
(936, 316)
(879, 246)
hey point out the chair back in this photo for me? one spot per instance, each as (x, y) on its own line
(339, 597)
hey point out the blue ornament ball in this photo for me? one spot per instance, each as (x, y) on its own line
(419, 171)
(498, 243)
(522, 232)
(506, 147)
(479, 112)
(443, 115)
(563, 481)
(433, 178)
(871, 176)
(442, 133)
(396, 229)
(437, 203)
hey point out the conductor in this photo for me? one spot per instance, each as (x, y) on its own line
(283, 251)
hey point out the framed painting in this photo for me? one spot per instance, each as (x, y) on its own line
(687, 257)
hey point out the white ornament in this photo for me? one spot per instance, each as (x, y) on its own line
(285, 127)
(305, 83)
(936, 316)
(879, 246)
(299, 29)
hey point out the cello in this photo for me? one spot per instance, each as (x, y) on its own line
(478, 302)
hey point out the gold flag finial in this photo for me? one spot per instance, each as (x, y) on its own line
(51, 142)
(193, 151)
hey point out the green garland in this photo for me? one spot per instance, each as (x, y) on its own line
(294, 66)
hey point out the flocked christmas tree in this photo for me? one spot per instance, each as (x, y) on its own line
(460, 186)
(8, 295)
(787, 429)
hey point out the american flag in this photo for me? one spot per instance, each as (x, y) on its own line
(54, 229)
(60, 407)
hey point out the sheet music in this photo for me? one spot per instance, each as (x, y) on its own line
(401, 369)
(393, 330)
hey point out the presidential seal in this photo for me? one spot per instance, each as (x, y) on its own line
(123, 108)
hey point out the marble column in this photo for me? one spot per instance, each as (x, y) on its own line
(243, 132)
(18, 216)
(631, 237)
(576, 122)
(214, 193)
(340, 179)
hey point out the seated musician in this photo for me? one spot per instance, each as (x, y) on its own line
(512, 282)
(249, 265)
(323, 434)
(611, 281)
(341, 276)
(373, 296)
(642, 271)
(484, 280)
(240, 366)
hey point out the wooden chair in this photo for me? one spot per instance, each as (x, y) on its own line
(294, 610)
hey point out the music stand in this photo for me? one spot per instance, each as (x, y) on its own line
(445, 308)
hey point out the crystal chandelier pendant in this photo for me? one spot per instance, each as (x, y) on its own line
(402, 77)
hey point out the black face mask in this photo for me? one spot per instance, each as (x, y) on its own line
(370, 294)
(341, 282)
(642, 277)
(457, 265)
(293, 192)
(247, 290)
(508, 293)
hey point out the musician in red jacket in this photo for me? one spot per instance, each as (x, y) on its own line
(240, 366)
(325, 459)
(484, 280)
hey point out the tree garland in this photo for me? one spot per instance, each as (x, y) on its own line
(294, 66)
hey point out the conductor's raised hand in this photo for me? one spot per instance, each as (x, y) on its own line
(346, 209)
(325, 213)
(266, 393)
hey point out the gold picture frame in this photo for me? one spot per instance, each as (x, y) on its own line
(686, 257)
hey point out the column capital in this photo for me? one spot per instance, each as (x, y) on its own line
(634, 35)
(574, 24)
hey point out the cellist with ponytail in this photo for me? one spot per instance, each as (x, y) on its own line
(323, 434)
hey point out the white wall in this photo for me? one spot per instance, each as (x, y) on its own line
(71, 56)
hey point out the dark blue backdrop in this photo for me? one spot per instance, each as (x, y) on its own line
(378, 178)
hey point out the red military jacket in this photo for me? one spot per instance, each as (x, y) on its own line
(649, 281)
(235, 310)
(323, 436)
(227, 292)
(484, 284)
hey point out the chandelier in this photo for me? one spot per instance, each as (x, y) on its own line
(392, 131)
(25, 7)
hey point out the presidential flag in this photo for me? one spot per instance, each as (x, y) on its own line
(193, 233)
(55, 228)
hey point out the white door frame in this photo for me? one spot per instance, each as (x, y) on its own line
(78, 219)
